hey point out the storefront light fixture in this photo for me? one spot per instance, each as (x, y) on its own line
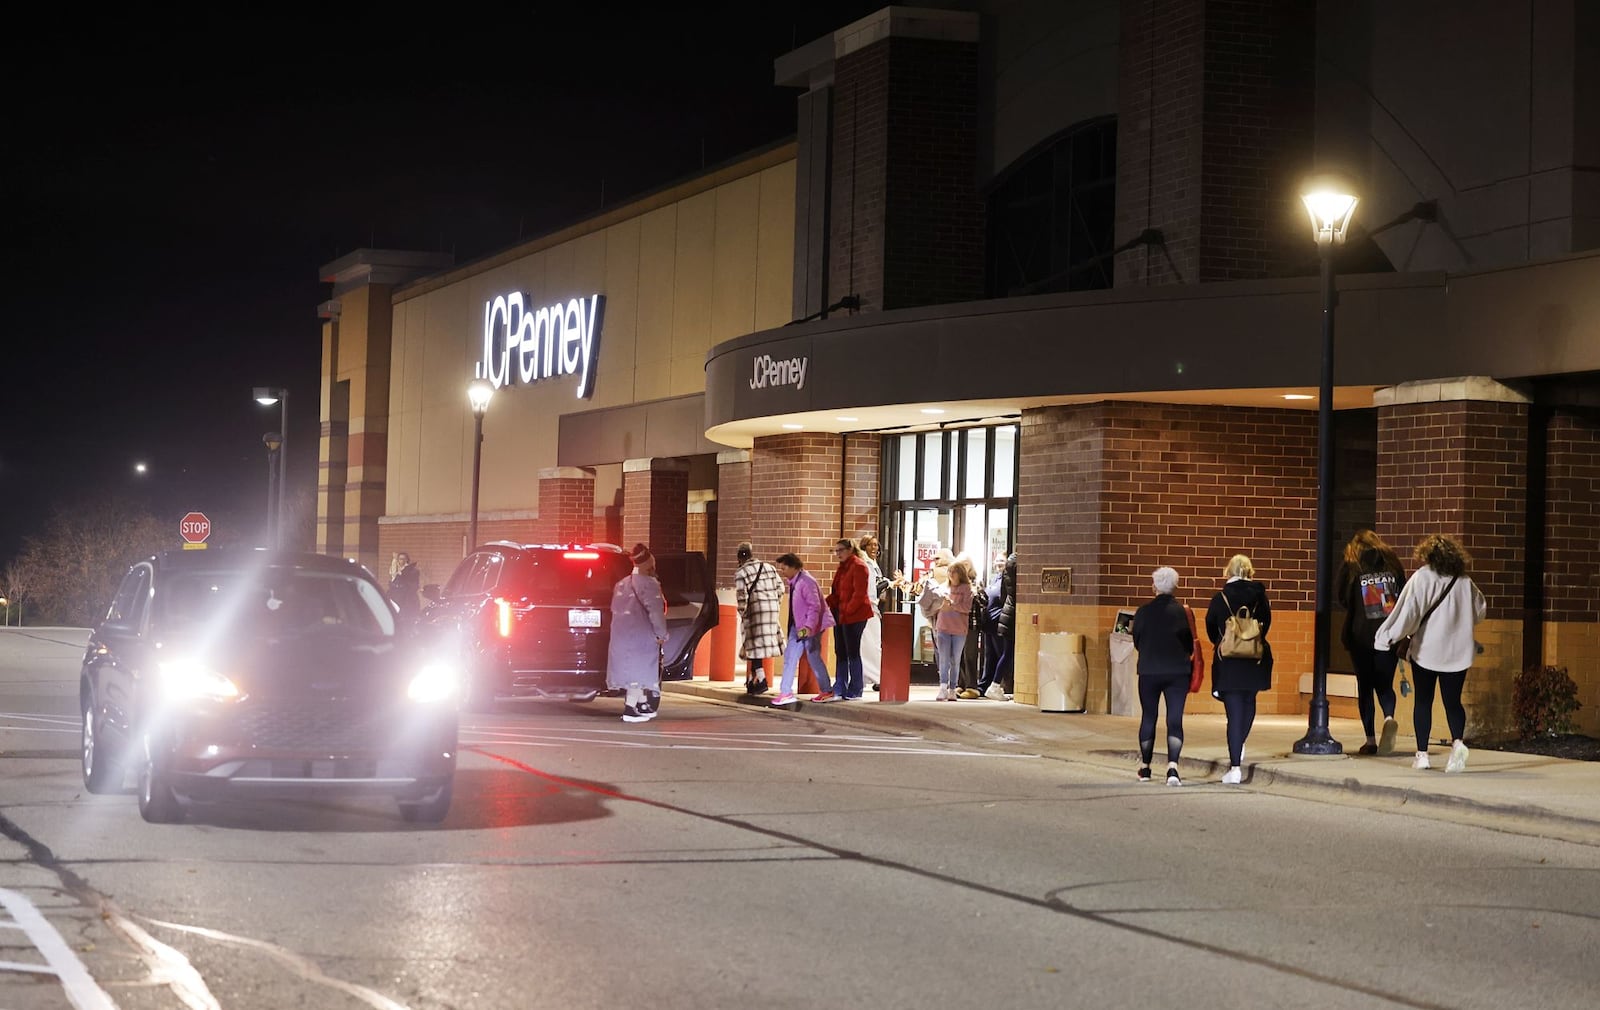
(847, 420)
(932, 410)
(794, 427)
(1298, 396)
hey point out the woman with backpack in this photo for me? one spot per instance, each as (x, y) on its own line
(1241, 665)
(1369, 584)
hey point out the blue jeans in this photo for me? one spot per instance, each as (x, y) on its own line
(949, 647)
(847, 658)
(811, 647)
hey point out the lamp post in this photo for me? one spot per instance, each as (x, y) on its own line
(274, 443)
(267, 396)
(1331, 204)
(479, 391)
(6, 604)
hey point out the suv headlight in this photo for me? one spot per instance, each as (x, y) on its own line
(436, 682)
(186, 678)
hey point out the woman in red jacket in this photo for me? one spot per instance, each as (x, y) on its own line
(850, 599)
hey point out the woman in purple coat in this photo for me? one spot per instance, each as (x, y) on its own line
(809, 617)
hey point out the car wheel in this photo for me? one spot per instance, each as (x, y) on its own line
(158, 804)
(430, 811)
(101, 773)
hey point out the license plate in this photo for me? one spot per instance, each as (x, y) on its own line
(583, 618)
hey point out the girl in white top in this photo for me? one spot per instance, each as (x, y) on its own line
(1437, 610)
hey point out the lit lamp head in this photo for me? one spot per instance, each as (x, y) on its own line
(267, 396)
(478, 393)
(1331, 202)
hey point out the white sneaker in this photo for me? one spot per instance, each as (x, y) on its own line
(997, 693)
(1173, 779)
(1386, 738)
(1458, 758)
(1233, 776)
(1421, 763)
(943, 693)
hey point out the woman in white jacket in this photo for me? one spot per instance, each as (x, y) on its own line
(1437, 610)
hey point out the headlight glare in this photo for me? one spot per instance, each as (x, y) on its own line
(185, 678)
(436, 682)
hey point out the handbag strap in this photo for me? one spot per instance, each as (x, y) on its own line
(1232, 610)
(1447, 588)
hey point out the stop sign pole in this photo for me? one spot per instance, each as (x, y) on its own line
(194, 528)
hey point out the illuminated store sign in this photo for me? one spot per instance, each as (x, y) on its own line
(767, 371)
(522, 345)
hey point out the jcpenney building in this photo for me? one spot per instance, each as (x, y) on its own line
(1035, 276)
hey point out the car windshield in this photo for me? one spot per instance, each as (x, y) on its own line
(561, 576)
(275, 603)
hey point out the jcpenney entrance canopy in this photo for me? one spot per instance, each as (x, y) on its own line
(1246, 343)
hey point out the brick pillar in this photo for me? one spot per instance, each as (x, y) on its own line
(1572, 559)
(733, 514)
(1452, 458)
(655, 503)
(904, 149)
(863, 473)
(1214, 126)
(566, 505)
(794, 494)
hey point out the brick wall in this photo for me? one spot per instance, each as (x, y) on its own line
(696, 532)
(862, 473)
(566, 510)
(794, 491)
(1214, 118)
(906, 219)
(1572, 518)
(733, 518)
(655, 506)
(1458, 467)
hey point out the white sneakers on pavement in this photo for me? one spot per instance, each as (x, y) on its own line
(997, 693)
(1233, 776)
(1422, 763)
(1458, 758)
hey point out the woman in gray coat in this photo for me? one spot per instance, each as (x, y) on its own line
(638, 633)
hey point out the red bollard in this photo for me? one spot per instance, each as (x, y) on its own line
(724, 652)
(894, 677)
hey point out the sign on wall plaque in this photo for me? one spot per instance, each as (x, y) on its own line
(1055, 580)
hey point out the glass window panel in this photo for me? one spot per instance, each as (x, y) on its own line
(932, 466)
(977, 454)
(1005, 461)
(952, 441)
(906, 486)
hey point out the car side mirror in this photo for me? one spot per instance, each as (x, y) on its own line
(431, 593)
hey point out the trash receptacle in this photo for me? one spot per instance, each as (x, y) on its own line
(1063, 672)
(1124, 667)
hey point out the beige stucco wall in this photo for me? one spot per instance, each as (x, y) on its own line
(682, 270)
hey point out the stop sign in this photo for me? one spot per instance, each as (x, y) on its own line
(195, 527)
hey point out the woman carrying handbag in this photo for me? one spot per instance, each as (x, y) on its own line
(1236, 624)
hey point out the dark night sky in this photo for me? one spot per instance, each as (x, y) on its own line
(173, 185)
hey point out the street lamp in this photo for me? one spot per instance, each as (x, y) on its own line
(274, 443)
(479, 392)
(1331, 204)
(267, 396)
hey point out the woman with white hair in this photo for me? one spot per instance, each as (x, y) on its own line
(1161, 635)
(1238, 679)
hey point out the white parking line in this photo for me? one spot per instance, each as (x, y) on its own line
(60, 961)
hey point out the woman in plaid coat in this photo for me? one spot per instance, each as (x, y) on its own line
(758, 592)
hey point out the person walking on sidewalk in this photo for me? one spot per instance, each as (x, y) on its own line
(1235, 679)
(1437, 611)
(850, 600)
(638, 633)
(950, 631)
(808, 619)
(1161, 635)
(872, 637)
(1369, 584)
(758, 593)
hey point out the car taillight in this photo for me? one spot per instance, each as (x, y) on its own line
(582, 555)
(503, 617)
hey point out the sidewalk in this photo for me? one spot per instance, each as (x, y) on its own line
(1520, 792)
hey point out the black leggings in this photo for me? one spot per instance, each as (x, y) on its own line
(1374, 675)
(1450, 685)
(1175, 688)
(1241, 709)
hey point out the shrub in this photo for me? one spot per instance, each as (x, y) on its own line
(1543, 700)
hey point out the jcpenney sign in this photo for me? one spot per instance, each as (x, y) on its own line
(767, 371)
(523, 345)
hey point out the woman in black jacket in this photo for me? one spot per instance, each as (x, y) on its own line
(1369, 584)
(1238, 681)
(1161, 635)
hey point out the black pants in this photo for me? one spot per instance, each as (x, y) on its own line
(1374, 676)
(1152, 688)
(1241, 709)
(1450, 685)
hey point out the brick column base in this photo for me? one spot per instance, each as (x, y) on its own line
(566, 505)
(655, 503)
